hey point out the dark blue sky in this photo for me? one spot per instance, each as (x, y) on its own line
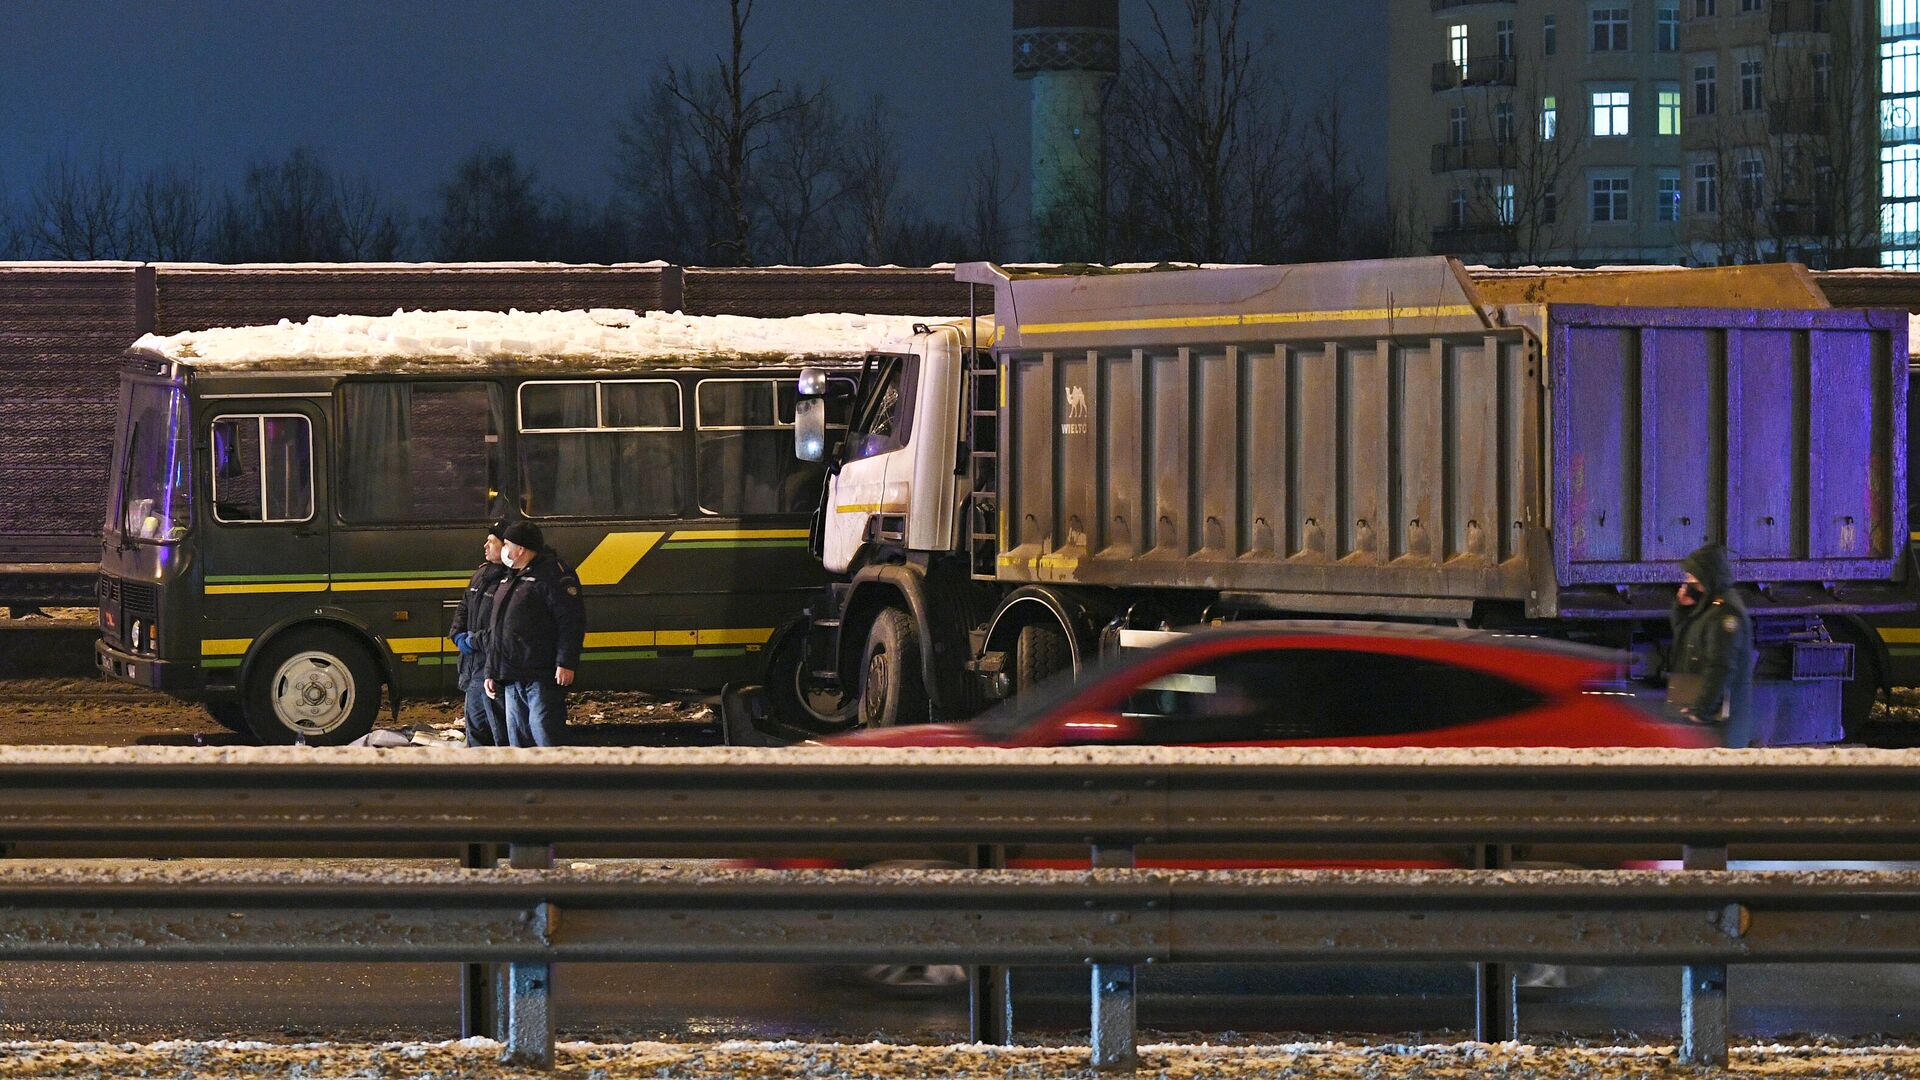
(401, 89)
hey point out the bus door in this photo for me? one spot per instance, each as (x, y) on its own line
(265, 545)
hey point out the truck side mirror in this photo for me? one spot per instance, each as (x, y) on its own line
(810, 427)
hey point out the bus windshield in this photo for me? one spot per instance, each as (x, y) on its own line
(155, 499)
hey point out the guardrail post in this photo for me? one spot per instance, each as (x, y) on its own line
(529, 1011)
(1703, 990)
(1496, 1002)
(990, 987)
(1114, 1002)
(479, 983)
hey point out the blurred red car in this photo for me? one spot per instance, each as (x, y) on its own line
(1327, 684)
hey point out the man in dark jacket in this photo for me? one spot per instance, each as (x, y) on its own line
(1712, 647)
(486, 724)
(534, 633)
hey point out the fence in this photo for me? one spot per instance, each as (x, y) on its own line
(1115, 802)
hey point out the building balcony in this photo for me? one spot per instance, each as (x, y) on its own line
(1798, 116)
(1474, 237)
(1491, 70)
(1478, 154)
(1797, 17)
(1448, 5)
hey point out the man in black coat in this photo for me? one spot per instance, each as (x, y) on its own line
(486, 723)
(534, 633)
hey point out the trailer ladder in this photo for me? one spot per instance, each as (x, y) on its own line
(983, 463)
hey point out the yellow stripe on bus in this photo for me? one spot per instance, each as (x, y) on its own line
(870, 508)
(269, 587)
(420, 645)
(614, 556)
(1905, 635)
(741, 636)
(404, 583)
(1257, 319)
(233, 646)
(624, 639)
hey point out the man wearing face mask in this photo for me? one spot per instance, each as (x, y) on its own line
(486, 724)
(535, 632)
(1710, 667)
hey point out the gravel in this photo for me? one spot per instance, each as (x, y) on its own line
(478, 1058)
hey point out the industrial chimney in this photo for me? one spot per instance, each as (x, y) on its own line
(1069, 50)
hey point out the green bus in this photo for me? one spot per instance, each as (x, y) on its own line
(291, 525)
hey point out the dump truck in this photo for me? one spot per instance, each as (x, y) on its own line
(1112, 456)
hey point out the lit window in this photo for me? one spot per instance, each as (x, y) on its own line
(1549, 118)
(1610, 26)
(1669, 114)
(1706, 188)
(1457, 46)
(1612, 198)
(1667, 198)
(1611, 109)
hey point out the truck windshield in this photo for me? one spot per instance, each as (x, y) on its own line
(154, 500)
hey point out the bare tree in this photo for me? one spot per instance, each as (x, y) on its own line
(988, 188)
(804, 180)
(81, 211)
(873, 167)
(289, 210)
(172, 214)
(1331, 218)
(369, 228)
(1520, 158)
(1180, 139)
(490, 210)
(730, 122)
(656, 174)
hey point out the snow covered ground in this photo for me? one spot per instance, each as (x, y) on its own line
(477, 1058)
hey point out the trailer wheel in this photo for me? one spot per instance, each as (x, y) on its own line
(892, 691)
(1040, 652)
(230, 715)
(317, 686)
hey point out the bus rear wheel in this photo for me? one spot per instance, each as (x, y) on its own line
(892, 691)
(313, 686)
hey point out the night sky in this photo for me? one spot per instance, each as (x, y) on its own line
(402, 89)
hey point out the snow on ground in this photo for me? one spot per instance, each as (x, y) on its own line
(609, 337)
(472, 1059)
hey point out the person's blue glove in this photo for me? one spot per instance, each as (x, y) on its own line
(464, 642)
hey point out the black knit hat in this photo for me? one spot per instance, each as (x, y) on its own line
(498, 529)
(524, 533)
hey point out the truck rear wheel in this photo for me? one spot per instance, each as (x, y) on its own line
(317, 686)
(892, 691)
(1040, 652)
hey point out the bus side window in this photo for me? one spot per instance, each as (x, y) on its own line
(262, 468)
(601, 448)
(745, 458)
(420, 451)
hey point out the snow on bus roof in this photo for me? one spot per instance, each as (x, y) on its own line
(610, 338)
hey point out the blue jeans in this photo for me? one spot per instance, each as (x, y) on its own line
(486, 717)
(536, 713)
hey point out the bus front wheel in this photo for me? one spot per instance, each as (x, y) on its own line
(313, 686)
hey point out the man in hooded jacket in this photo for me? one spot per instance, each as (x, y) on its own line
(486, 724)
(1713, 640)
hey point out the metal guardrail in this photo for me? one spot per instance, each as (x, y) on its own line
(1115, 801)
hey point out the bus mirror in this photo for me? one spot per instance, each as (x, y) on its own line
(813, 383)
(810, 428)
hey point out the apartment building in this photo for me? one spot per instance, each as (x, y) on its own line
(1623, 131)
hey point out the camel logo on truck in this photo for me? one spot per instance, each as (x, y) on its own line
(1076, 411)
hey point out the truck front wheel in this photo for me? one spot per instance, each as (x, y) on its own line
(892, 691)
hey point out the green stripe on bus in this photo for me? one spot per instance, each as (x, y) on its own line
(393, 575)
(737, 544)
(719, 652)
(623, 654)
(220, 661)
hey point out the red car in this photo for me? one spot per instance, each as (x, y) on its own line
(1327, 684)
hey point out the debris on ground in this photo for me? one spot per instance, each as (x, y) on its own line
(475, 1059)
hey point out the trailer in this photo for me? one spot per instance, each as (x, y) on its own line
(1114, 454)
